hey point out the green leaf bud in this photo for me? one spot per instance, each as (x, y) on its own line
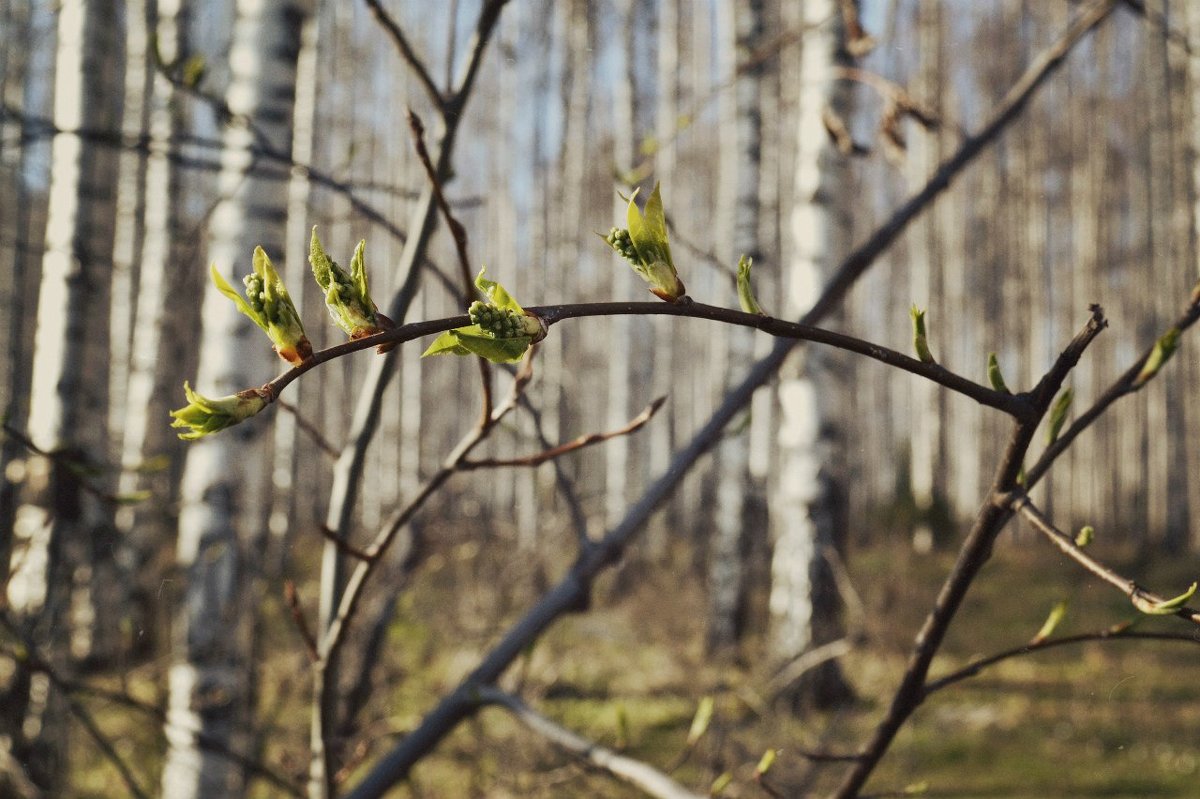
(1164, 348)
(994, 376)
(203, 416)
(1166, 607)
(651, 257)
(500, 330)
(920, 342)
(1052, 620)
(745, 291)
(346, 295)
(1085, 536)
(268, 304)
(1058, 414)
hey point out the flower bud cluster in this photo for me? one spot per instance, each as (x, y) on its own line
(500, 322)
(619, 239)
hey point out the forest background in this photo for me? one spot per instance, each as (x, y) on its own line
(150, 578)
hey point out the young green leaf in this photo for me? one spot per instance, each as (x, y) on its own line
(745, 291)
(648, 234)
(346, 295)
(1167, 607)
(269, 306)
(1085, 536)
(501, 329)
(920, 342)
(1058, 414)
(1056, 615)
(720, 783)
(1164, 348)
(765, 762)
(203, 416)
(994, 376)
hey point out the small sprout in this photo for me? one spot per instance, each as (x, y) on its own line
(720, 784)
(346, 295)
(700, 721)
(994, 376)
(920, 342)
(765, 762)
(501, 329)
(1164, 348)
(1166, 607)
(203, 416)
(645, 245)
(1048, 626)
(745, 291)
(1058, 414)
(1085, 536)
(269, 306)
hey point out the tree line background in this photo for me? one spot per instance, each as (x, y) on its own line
(1089, 196)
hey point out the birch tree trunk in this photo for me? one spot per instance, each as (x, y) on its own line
(804, 515)
(210, 676)
(739, 495)
(62, 525)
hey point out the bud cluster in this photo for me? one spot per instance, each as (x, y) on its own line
(500, 322)
(619, 239)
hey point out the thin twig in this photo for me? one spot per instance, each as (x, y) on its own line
(537, 459)
(1141, 598)
(1117, 633)
(396, 33)
(635, 772)
(309, 428)
(1016, 405)
(73, 465)
(292, 598)
(344, 546)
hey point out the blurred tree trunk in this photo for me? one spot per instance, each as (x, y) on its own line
(740, 504)
(66, 525)
(157, 358)
(224, 476)
(806, 512)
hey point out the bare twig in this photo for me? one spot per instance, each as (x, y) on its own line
(635, 772)
(396, 34)
(74, 466)
(1117, 633)
(344, 546)
(537, 459)
(806, 662)
(1140, 597)
(308, 428)
(292, 598)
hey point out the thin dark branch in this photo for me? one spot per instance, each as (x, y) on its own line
(405, 48)
(1017, 405)
(1123, 386)
(537, 459)
(308, 428)
(73, 465)
(635, 772)
(344, 546)
(1141, 598)
(1119, 633)
(292, 598)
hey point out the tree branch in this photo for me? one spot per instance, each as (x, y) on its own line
(396, 34)
(635, 772)
(1141, 598)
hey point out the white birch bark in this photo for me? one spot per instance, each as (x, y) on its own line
(210, 677)
(738, 493)
(68, 414)
(802, 514)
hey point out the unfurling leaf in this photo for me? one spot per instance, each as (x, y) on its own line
(720, 783)
(645, 245)
(1058, 414)
(346, 295)
(501, 329)
(1167, 607)
(269, 306)
(203, 416)
(1048, 626)
(700, 721)
(1164, 348)
(745, 291)
(920, 342)
(994, 376)
(1085, 536)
